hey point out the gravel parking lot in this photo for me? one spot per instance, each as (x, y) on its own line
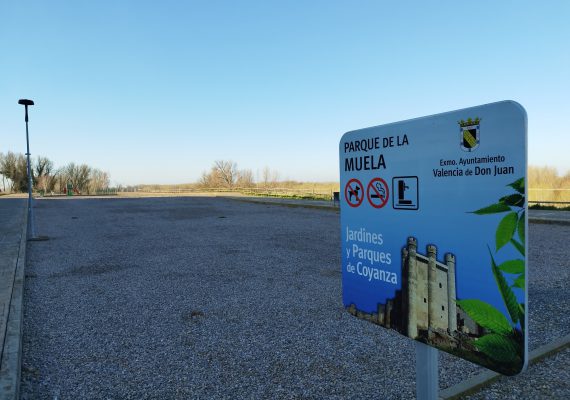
(209, 298)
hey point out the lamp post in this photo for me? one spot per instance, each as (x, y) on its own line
(31, 226)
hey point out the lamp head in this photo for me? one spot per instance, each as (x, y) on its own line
(26, 102)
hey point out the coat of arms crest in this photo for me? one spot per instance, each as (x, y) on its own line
(469, 133)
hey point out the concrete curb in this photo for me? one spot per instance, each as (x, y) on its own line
(548, 221)
(472, 385)
(11, 356)
(285, 204)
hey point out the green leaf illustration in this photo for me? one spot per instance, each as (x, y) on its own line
(518, 246)
(518, 185)
(520, 281)
(506, 292)
(486, 315)
(516, 200)
(506, 229)
(521, 227)
(499, 347)
(493, 209)
(512, 267)
(521, 316)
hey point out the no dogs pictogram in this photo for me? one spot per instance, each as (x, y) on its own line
(354, 192)
(377, 193)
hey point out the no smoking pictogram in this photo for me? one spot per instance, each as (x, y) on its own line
(377, 193)
(354, 192)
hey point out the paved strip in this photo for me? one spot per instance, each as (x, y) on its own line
(315, 204)
(535, 216)
(543, 215)
(11, 219)
(12, 264)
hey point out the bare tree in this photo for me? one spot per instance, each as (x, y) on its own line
(83, 177)
(2, 172)
(44, 166)
(227, 172)
(210, 179)
(269, 177)
(224, 174)
(265, 176)
(45, 178)
(7, 168)
(14, 167)
(98, 180)
(60, 179)
(245, 178)
(78, 176)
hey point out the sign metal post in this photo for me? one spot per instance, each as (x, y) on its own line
(427, 373)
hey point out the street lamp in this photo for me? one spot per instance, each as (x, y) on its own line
(31, 226)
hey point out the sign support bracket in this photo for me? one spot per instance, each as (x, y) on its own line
(427, 374)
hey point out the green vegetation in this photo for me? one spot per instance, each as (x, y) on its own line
(504, 341)
(287, 194)
(469, 122)
(550, 208)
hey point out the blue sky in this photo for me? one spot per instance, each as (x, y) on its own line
(156, 91)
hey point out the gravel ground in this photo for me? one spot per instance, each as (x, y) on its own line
(208, 298)
(548, 379)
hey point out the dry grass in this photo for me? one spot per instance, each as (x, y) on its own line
(168, 188)
(547, 186)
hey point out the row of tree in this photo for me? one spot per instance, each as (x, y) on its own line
(81, 177)
(225, 174)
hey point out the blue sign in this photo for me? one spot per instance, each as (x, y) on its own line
(433, 231)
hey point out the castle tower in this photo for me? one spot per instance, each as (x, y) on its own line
(412, 285)
(388, 317)
(451, 294)
(432, 285)
(381, 314)
(405, 306)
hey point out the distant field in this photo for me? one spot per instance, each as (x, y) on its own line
(287, 189)
(546, 187)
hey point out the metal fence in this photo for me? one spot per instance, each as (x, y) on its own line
(541, 196)
(550, 197)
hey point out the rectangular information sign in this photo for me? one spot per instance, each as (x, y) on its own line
(433, 231)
